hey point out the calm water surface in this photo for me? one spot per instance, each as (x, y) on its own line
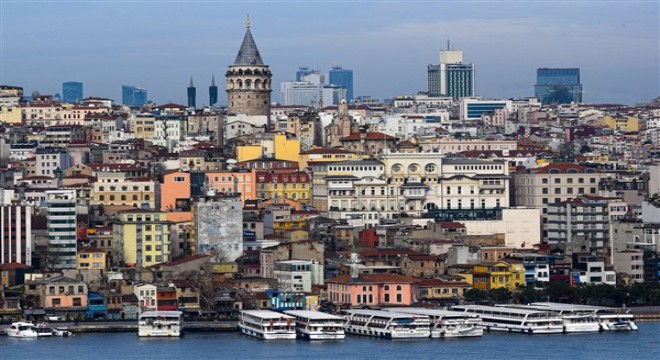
(642, 344)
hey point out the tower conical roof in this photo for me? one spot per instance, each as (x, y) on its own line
(248, 54)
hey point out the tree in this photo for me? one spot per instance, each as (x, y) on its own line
(475, 296)
(500, 295)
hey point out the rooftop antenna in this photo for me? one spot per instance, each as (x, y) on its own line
(448, 48)
(247, 21)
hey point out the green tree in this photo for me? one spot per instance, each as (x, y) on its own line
(475, 296)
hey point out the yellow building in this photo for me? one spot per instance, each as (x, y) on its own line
(143, 126)
(138, 193)
(624, 124)
(319, 155)
(248, 152)
(91, 259)
(145, 237)
(279, 148)
(10, 114)
(291, 185)
(498, 274)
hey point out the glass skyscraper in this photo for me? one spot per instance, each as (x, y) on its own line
(72, 91)
(344, 78)
(451, 77)
(133, 96)
(558, 85)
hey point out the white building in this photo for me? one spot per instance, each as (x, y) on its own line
(219, 228)
(62, 237)
(16, 234)
(296, 275)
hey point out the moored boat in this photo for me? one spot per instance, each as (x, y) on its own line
(515, 320)
(575, 318)
(268, 325)
(609, 318)
(445, 323)
(160, 323)
(386, 324)
(22, 330)
(315, 325)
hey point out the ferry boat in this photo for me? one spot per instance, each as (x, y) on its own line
(22, 330)
(160, 323)
(386, 324)
(268, 325)
(445, 323)
(515, 320)
(315, 325)
(575, 319)
(609, 318)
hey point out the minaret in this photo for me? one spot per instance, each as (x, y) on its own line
(249, 80)
(192, 94)
(213, 92)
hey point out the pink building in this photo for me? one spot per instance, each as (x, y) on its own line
(229, 181)
(373, 290)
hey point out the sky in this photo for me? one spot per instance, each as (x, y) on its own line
(159, 45)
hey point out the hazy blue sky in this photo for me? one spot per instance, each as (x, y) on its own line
(158, 45)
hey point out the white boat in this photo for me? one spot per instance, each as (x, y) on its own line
(609, 318)
(62, 332)
(43, 330)
(266, 324)
(315, 325)
(386, 324)
(22, 330)
(445, 323)
(515, 320)
(160, 323)
(575, 319)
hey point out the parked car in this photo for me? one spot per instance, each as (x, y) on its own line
(54, 318)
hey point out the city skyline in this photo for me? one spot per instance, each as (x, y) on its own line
(388, 45)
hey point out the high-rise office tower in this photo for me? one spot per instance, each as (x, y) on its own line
(192, 94)
(72, 91)
(133, 96)
(62, 236)
(213, 92)
(344, 78)
(304, 71)
(249, 80)
(558, 85)
(451, 77)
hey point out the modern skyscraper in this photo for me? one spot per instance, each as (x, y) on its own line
(558, 85)
(72, 91)
(192, 94)
(451, 77)
(61, 222)
(249, 80)
(133, 96)
(344, 78)
(304, 71)
(213, 92)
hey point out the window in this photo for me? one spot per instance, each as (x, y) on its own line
(557, 191)
(399, 298)
(77, 302)
(387, 298)
(57, 302)
(544, 190)
(557, 181)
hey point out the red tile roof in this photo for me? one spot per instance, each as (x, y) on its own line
(562, 168)
(388, 252)
(368, 136)
(374, 279)
(325, 151)
(438, 282)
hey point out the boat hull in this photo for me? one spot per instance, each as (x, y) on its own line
(269, 335)
(155, 332)
(461, 332)
(387, 334)
(321, 336)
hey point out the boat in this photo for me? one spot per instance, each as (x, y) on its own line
(316, 325)
(576, 319)
(43, 330)
(524, 321)
(445, 323)
(22, 330)
(160, 323)
(609, 318)
(267, 324)
(62, 332)
(386, 324)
